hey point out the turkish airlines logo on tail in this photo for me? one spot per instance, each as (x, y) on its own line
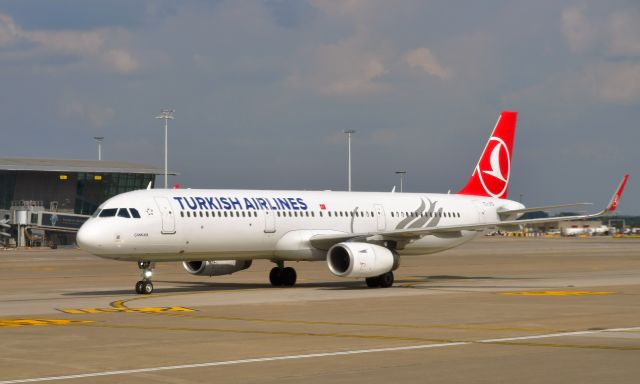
(491, 175)
(494, 167)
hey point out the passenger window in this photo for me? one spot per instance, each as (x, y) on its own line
(181, 213)
(110, 212)
(188, 214)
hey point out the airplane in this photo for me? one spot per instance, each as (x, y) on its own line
(358, 234)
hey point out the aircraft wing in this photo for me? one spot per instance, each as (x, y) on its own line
(407, 235)
(538, 209)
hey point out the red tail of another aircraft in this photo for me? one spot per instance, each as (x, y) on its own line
(490, 178)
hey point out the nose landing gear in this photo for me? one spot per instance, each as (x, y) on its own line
(145, 286)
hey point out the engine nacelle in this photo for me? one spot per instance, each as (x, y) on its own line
(361, 260)
(216, 267)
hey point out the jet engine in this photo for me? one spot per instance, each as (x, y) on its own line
(361, 260)
(215, 268)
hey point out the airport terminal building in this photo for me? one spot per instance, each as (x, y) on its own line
(54, 195)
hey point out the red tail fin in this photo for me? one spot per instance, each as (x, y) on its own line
(491, 176)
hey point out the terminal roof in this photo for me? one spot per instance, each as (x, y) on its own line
(88, 166)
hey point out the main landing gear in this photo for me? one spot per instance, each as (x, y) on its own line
(145, 286)
(383, 281)
(281, 276)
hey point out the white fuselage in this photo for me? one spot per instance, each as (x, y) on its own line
(209, 224)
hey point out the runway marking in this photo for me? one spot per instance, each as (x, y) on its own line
(122, 304)
(10, 323)
(311, 356)
(279, 333)
(557, 293)
(84, 311)
(232, 362)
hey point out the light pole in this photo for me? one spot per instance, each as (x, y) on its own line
(349, 132)
(166, 114)
(401, 173)
(99, 139)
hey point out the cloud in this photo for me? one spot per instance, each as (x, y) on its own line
(9, 31)
(625, 33)
(97, 116)
(615, 82)
(578, 31)
(120, 60)
(95, 45)
(343, 68)
(385, 136)
(423, 59)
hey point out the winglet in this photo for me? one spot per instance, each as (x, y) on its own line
(613, 204)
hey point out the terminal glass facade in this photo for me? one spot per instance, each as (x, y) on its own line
(93, 189)
(72, 192)
(7, 187)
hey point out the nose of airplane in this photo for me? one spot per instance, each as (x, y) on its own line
(88, 237)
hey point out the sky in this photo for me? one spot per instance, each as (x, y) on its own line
(263, 90)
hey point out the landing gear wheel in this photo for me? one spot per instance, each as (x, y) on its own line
(289, 277)
(275, 276)
(147, 287)
(144, 286)
(373, 282)
(386, 280)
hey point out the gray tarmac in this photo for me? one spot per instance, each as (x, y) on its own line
(524, 310)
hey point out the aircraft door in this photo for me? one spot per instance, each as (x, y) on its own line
(269, 222)
(380, 217)
(482, 211)
(166, 214)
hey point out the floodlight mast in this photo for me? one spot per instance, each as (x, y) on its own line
(166, 114)
(99, 140)
(349, 132)
(401, 173)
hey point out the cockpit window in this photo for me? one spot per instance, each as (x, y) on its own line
(134, 213)
(109, 212)
(96, 213)
(123, 212)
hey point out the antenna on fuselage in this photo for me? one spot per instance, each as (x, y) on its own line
(150, 184)
(393, 189)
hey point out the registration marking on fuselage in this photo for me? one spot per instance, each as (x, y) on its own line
(11, 323)
(84, 311)
(557, 293)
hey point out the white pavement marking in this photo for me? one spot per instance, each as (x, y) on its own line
(538, 336)
(307, 356)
